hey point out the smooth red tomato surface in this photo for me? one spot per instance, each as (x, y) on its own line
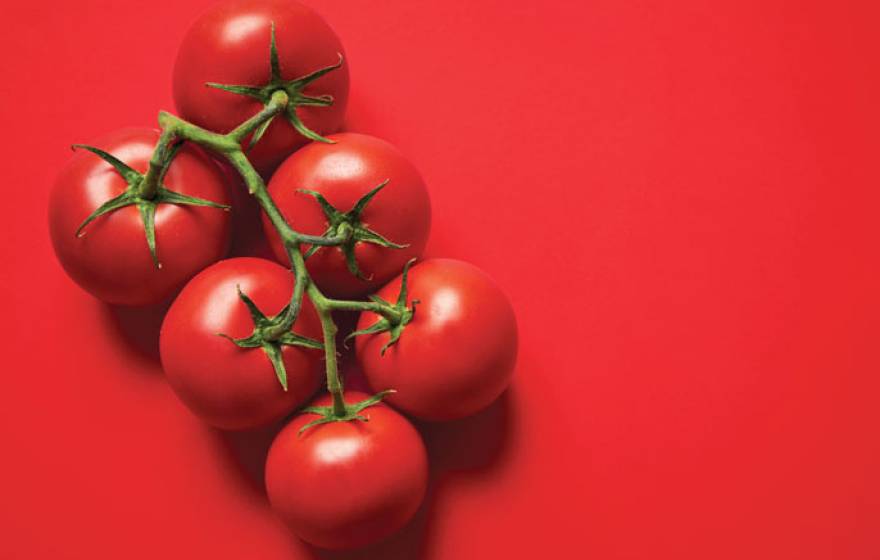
(347, 484)
(228, 386)
(229, 44)
(457, 354)
(112, 260)
(344, 172)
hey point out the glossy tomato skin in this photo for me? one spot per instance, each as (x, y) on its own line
(345, 485)
(343, 172)
(229, 44)
(227, 386)
(458, 353)
(112, 260)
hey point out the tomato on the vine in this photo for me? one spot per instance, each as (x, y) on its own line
(240, 51)
(329, 188)
(111, 256)
(343, 485)
(457, 353)
(239, 386)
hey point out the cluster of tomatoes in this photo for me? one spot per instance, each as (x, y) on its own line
(142, 216)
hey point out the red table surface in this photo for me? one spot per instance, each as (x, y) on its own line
(680, 198)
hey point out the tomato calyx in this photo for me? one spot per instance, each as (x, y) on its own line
(349, 227)
(294, 89)
(134, 195)
(352, 412)
(393, 317)
(262, 337)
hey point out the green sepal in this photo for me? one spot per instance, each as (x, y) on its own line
(363, 201)
(171, 197)
(332, 214)
(352, 411)
(257, 316)
(148, 217)
(272, 348)
(130, 175)
(293, 339)
(300, 127)
(115, 203)
(352, 265)
(383, 324)
(294, 89)
(258, 134)
(369, 236)
(359, 233)
(311, 101)
(249, 91)
(146, 207)
(303, 81)
(252, 341)
(274, 65)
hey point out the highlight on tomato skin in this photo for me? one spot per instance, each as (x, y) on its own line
(344, 173)
(345, 485)
(111, 258)
(458, 353)
(230, 45)
(228, 386)
(247, 341)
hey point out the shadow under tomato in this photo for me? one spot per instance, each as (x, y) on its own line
(247, 451)
(138, 328)
(462, 448)
(459, 449)
(248, 239)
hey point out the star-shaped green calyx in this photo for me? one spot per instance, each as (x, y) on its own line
(397, 319)
(261, 338)
(294, 89)
(326, 414)
(349, 225)
(132, 197)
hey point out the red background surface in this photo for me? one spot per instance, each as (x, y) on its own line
(680, 198)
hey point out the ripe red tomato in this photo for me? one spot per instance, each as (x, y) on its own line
(457, 354)
(228, 386)
(112, 259)
(344, 485)
(230, 45)
(343, 173)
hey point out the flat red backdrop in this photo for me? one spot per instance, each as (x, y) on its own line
(681, 199)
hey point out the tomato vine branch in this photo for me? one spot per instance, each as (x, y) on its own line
(230, 147)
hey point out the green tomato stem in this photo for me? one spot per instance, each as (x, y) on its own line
(389, 312)
(334, 383)
(277, 104)
(149, 186)
(229, 146)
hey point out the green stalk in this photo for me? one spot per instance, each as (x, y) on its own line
(277, 103)
(386, 311)
(229, 146)
(150, 184)
(334, 383)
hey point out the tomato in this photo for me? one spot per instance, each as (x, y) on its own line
(228, 386)
(343, 173)
(458, 352)
(344, 485)
(112, 259)
(229, 45)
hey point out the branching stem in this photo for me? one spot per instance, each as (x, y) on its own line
(229, 146)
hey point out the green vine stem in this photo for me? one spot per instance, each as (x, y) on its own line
(230, 147)
(150, 184)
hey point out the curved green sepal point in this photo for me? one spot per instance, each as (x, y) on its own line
(352, 411)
